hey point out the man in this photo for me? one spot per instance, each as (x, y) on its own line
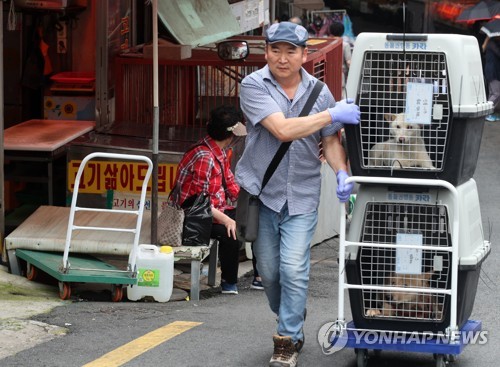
(271, 100)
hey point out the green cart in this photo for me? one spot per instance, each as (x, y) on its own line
(82, 267)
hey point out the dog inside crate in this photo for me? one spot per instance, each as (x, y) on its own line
(403, 224)
(405, 110)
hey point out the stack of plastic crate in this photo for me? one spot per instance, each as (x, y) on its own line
(415, 245)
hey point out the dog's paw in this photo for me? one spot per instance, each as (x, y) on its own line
(424, 165)
(373, 313)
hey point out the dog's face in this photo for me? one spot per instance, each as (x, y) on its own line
(406, 281)
(402, 131)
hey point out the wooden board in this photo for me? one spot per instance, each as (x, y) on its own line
(45, 230)
(44, 135)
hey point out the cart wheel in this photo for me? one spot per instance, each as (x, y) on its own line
(64, 290)
(116, 293)
(440, 360)
(451, 357)
(31, 272)
(362, 357)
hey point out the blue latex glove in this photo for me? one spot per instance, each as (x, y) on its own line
(343, 190)
(345, 112)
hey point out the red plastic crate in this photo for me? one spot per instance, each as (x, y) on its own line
(71, 77)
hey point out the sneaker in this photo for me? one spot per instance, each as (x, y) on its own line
(285, 353)
(228, 288)
(492, 118)
(300, 343)
(257, 284)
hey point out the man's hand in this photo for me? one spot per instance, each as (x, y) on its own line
(343, 190)
(345, 112)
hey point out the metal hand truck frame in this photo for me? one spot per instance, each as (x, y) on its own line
(344, 333)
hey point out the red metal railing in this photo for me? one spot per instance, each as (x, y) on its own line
(190, 88)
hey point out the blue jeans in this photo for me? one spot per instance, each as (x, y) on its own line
(283, 254)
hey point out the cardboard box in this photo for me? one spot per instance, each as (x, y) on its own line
(168, 51)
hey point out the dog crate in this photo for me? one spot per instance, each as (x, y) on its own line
(423, 102)
(405, 237)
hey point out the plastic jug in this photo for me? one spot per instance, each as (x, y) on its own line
(155, 273)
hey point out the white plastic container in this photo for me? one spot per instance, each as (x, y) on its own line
(155, 273)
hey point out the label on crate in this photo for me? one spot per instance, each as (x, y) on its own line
(148, 278)
(409, 260)
(419, 103)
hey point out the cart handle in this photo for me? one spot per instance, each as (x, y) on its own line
(453, 328)
(139, 212)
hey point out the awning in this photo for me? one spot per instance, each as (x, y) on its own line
(195, 22)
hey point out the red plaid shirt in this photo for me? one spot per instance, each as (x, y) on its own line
(200, 171)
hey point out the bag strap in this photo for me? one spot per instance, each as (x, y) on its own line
(284, 146)
(174, 194)
(224, 185)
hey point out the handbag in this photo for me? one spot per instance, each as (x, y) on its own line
(170, 225)
(247, 205)
(186, 225)
(197, 225)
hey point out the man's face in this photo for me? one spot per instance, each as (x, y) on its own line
(284, 59)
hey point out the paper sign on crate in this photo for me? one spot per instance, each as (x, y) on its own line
(409, 260)
(419, 103)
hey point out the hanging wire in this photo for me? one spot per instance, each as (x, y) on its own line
(11, 20)
(404, 31)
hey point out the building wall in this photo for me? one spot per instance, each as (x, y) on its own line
(84, 40)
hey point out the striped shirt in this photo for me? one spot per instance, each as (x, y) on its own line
(297, 180)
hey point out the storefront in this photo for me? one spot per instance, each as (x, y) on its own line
(192, 80)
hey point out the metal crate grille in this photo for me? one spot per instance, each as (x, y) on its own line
(387, 223)
(187, 95)
(319, 70)
(387, 140)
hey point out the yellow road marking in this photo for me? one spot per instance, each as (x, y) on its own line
(136, 347)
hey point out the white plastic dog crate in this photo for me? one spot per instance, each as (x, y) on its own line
(399, 254)
(423, 102)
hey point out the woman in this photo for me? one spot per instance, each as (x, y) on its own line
(205, 168)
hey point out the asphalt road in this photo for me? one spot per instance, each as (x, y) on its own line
(237, 330)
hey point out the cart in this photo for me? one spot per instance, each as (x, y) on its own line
(438, 345)
(83, 267)
(444, 336)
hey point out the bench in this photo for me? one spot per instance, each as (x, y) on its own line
(196, 254)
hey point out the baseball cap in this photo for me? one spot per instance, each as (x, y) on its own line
(289, 32)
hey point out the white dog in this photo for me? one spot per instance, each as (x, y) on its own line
(404, 149)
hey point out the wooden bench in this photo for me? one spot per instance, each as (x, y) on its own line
(196, 254)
